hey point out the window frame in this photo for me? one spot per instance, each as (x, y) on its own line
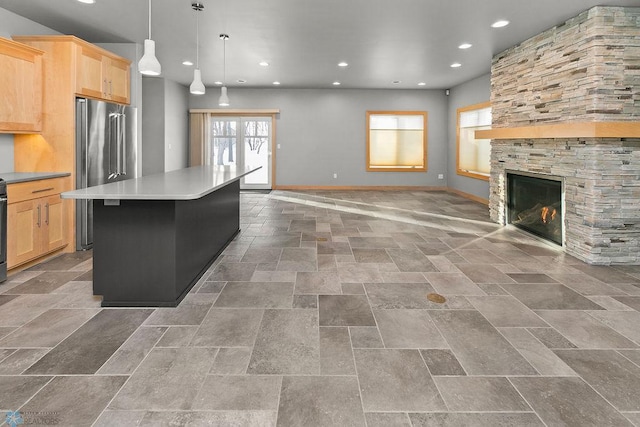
(425, 128)
(464, 172)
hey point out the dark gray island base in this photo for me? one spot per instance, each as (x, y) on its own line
(150, 249)
(152, 252)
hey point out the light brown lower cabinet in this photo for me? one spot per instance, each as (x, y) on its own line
(35, 227)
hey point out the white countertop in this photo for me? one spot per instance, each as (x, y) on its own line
(183, 184)
(16, 177)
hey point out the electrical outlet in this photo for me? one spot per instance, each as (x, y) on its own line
(440, 176)
(335, 176)
(278, 146)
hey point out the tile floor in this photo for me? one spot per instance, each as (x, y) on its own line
(317, 314)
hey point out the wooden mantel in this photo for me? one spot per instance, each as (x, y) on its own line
(565, 130)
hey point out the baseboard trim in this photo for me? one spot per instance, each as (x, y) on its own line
(358, 188)
(380, 188)
(469, 196)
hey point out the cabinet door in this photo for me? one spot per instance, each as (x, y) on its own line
(54, 223)
(118, 80)
(21, 88)
(24, 221)
(90, 78)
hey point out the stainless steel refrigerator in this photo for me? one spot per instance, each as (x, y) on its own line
(106, 151)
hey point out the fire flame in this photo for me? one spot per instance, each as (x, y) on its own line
(548, 214)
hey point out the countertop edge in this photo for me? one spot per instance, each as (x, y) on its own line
(19, 177)
(84, 194)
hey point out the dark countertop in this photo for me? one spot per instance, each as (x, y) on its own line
(15, 177)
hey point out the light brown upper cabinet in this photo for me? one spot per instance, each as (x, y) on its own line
(95, 72)
(20, 88)
(101, 76)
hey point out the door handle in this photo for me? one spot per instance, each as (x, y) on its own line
(123, 144)
(118, 144)
(46, 213)
(39, 217)
(112, 139)
(42, 190)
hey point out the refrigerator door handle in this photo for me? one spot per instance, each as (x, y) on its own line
(112, 135)
(84, 132)
(118, 145)
(123, 144)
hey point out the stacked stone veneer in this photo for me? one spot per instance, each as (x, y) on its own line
(585, 70)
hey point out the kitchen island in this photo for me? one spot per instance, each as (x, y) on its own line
(155, 236)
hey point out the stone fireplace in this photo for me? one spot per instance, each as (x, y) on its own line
(566, 105)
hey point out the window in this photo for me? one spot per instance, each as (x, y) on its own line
(473, 154)
(223, 136)
(396, 141)
(245, 142)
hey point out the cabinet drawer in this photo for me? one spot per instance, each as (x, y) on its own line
(22, 191)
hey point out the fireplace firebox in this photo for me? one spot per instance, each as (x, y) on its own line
(535, 205)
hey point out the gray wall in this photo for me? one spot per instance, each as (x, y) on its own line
(165, 125)
(472, 92)
(176, 126)
(322, 132)
(12, 24)
(152, 125)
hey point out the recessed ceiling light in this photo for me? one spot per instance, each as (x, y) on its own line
(456, 65)
(396, 82)
(342, 64)
(87, 1)
(264, 64)
(217, 83)
(241, 81)
(465, 46)
(422, 84)
(187, 63)
(500, 24)
(336, 83)
(276, 83)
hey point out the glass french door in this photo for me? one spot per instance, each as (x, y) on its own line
(244, 142)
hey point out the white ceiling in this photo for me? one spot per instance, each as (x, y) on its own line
(303, 40)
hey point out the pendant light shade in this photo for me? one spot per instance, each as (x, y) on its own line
(149, 64)
(197, 87)
(223, 101)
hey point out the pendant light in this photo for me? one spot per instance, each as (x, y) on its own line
(223, 101)
(197, 87)
(149, 64)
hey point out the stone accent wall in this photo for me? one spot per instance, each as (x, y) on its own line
(587, 69)
(601, 191)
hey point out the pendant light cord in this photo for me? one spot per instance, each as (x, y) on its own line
(197, 41)
(224, 57)
(149, 19)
